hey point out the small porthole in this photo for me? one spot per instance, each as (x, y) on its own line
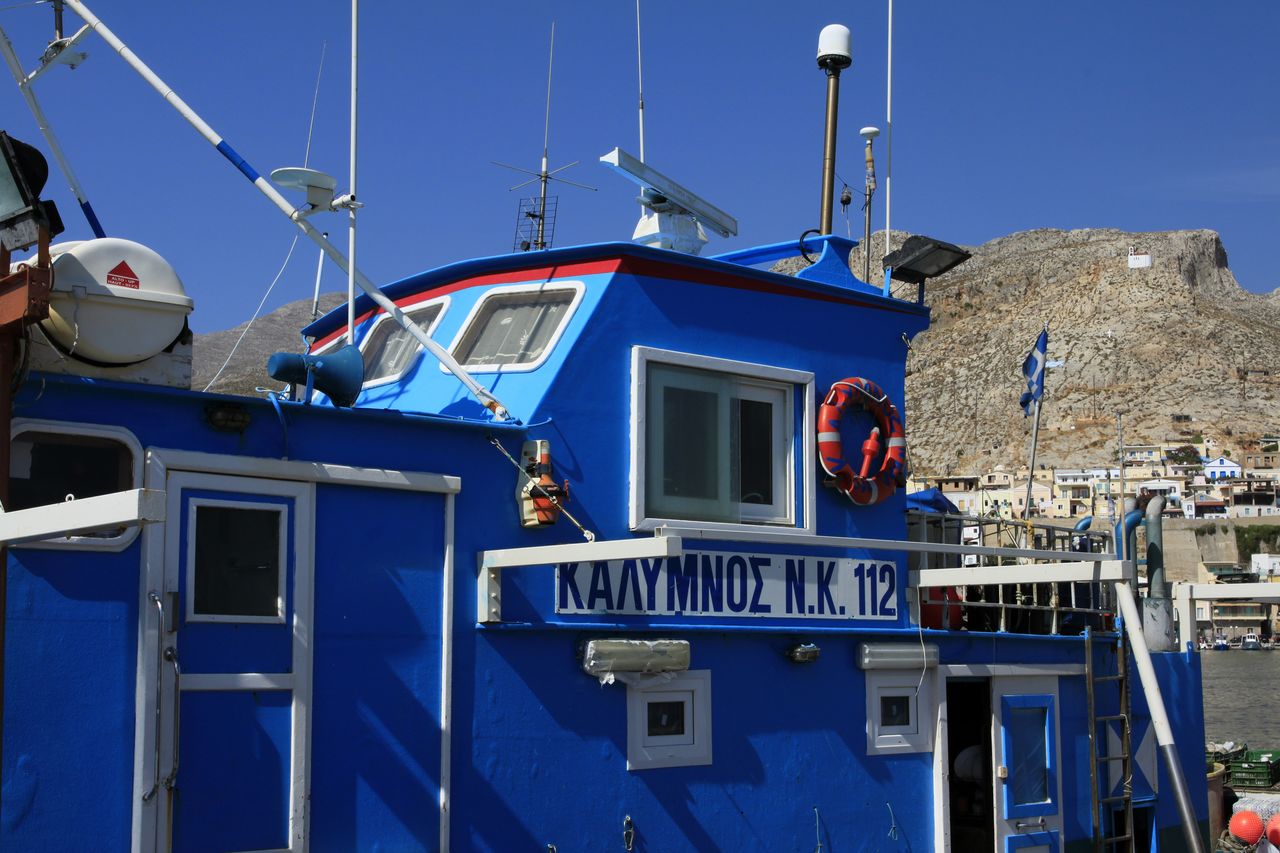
(895, 710)
(666, 719)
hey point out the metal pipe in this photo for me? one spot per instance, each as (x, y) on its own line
(46, 129)
(829, 149)
(866, 215)
(1124, 529)
(1157, 586)
(446, 676)
(1159, 717)
(487, 399)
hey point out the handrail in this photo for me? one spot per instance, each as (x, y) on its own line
(155, 599)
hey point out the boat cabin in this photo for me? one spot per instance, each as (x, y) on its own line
(646, 611)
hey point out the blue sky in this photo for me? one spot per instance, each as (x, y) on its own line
(1007, 116)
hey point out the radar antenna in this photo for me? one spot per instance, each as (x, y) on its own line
(536, 216)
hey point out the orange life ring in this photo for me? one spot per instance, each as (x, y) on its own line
(860, 487)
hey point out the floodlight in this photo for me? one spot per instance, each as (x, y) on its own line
(923, 257)
(22, 213)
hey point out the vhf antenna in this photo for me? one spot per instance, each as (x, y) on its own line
(541, 236)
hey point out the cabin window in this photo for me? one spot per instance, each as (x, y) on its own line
(900, 711)
(389, 350)
(236, 562)
(715, 440)
(669, 721)
(515, 328)
(51, 463)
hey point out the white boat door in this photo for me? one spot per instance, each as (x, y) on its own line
(1027, 761)
(223, 766)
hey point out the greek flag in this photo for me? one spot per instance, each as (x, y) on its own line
(1033, 369)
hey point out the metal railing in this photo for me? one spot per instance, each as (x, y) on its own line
(1051, 607)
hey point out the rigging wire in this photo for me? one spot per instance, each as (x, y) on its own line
(249, 325)
(311, 126)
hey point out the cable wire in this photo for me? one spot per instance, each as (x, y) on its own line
(249, 325)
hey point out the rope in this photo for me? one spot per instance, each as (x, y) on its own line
(1228, 843)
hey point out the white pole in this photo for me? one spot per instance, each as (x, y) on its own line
(1031, 476)
(46, 129)
(351, 211)
(202, 127)
(640, 80)
(1159, 717)
(315, 297)
(888, 136)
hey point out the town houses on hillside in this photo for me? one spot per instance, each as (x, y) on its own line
(1197, 481)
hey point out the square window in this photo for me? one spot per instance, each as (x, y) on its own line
(515, 327)
(235, 563)
(717, 446)
(390, 350)
(900, 711)
(669, 721)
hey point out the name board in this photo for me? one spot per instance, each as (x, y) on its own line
(730, 584)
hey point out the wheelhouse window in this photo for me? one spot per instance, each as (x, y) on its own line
(717, 445)
(236, 562)
(389, 350)
(516, 327)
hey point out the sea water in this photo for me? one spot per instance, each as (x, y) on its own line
(1241, 691)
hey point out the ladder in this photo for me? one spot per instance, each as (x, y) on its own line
(1107, 808)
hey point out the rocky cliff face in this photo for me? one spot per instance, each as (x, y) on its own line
(1178, 347)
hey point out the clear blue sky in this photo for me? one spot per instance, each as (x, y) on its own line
(1008, 115)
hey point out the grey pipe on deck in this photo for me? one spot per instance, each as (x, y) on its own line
(1157, 586)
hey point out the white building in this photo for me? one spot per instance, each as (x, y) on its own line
(1221, 468)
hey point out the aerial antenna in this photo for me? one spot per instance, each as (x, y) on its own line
(640, 80)
(534, 228)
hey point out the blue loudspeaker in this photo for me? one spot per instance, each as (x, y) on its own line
(338, 374)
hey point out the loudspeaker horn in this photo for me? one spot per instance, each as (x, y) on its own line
(338, 374)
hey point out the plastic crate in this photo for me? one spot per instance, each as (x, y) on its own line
(1258, 769)
(1225, 756)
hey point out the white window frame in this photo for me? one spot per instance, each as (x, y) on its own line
(578, 289)
(918, 735)
(113, 433)
(409, 311)
(693, 748)
(282, 575)
(762, 375)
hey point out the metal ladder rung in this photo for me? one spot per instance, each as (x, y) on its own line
(1108, 717)
(1108, 678)
(1113, 758)
(1121, 799)
(1117, 839)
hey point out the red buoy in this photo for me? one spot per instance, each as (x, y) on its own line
(1246, 826)
(1273, 830)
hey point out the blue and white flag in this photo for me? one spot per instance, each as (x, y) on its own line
(1033, 369)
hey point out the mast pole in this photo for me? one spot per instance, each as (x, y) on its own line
(640, 80)
(351, 210)
(888, 135)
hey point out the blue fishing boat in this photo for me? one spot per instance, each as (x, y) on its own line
(557, 550)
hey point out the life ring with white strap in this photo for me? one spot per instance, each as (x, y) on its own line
(861, 487)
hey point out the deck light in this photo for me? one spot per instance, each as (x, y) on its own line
(897, 655)
(22, 213)
(923, 257)
(604, 656)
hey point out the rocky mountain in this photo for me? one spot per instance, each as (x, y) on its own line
(1178, 347)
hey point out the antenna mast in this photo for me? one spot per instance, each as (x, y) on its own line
(888, 136)
(543, 176)
(538, 236)
(640, 80)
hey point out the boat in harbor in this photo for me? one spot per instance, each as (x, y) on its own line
(1250, 643)
(550, 551)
